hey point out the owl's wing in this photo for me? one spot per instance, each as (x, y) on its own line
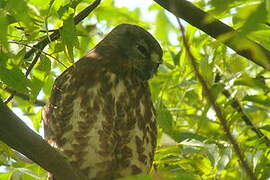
(51, 107)
(56, 114)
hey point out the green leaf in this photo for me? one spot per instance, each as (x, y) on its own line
(58, 48)
(217, 88)
(44, 65)
(39, 3)
(75, 3)
(36, 119)
(19, 58)
(15, 79)
(65, 11)
(36, 85)
(115, 15)
(180, 136)
(266, 127)
(3, 31)
(220, 5)
(165, 119)
(236, 63)
(48, 84)
(255, 83)
(6, 175)
(69, 37)
(163, 26)
(260, 99)
(255, 18)
(175, 57)
(207, 70)
(21, 11)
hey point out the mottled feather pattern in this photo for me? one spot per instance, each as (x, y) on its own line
(99, 124)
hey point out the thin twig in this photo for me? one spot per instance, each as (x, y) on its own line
(211, 100)
(43, 52)
(9, 98)
(25, 97)
(236, 105)
(43, 31)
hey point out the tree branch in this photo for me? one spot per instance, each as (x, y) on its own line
(236, 105)
(215, 28)
(17, 135)
(211, 100)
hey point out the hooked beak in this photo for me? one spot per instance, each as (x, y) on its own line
(151, 66)
(156, 58)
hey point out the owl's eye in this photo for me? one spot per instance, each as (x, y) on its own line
(142, 50)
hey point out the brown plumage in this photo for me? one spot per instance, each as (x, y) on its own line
(100, 113)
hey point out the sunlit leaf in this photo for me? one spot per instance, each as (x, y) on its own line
(15, 79)
(19, 58)
(256, 18)
(36, 119)
(21, 11)
(3, 31)
(44, 65)
(69, 37)
(163, 26)
(6, 175)
(263, 100)
(206, 69)
(36, 85)
(175, 57)
(255, 83)
(266, 127)
(48, 83)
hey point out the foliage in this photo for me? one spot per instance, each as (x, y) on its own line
(192, 144)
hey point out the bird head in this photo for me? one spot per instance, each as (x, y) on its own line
(135, 48)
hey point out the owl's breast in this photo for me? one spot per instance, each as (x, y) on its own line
(110, 130)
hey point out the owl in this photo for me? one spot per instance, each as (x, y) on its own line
(100, 114)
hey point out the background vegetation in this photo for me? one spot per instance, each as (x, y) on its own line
(192, 144)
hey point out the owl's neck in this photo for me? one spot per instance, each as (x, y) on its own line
(111, 61)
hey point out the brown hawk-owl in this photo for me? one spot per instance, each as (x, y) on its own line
(100, 113)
